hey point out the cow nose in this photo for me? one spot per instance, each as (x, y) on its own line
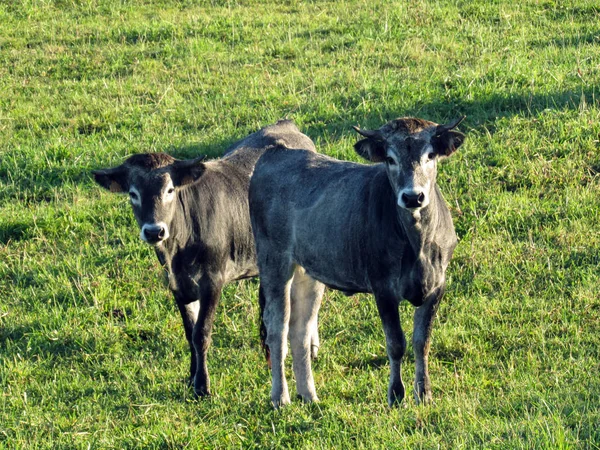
(414, 200)
(154, 233)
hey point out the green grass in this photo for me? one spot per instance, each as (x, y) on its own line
(92, 352)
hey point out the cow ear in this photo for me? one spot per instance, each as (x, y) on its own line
(187, 171)
(371, 149)
(115, 179)
(446, 143)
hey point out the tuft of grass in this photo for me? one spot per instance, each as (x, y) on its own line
(92, 353)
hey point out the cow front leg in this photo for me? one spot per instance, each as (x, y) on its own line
(387, 306)
(423, 324)
(188, 309)
(210, 294)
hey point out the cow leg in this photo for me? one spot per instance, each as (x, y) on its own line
(315, 343)
(306, 294)
(189, 314)
(387, 306)
(275, 282)
(210, 294)
(423, 323)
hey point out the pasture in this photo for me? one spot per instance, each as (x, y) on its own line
(92, 351)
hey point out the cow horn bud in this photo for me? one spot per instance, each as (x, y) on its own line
(449, 126)
(373, 134)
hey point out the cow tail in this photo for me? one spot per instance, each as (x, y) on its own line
(263, 328)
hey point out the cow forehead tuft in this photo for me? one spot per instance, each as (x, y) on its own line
(150, 161)
(151, 181)
(406, 126)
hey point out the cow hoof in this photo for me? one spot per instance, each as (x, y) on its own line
(396, 402)
(395, 394)
(422, 393)
(307, 398)
(425, 398)
(281, 401)
(202, 392)
(314, 351)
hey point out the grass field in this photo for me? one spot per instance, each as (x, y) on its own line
(92, 352)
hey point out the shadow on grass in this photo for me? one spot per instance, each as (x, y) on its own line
(45, 186)
(41, 187)
(481, 113)
(569, 41)
(210, 150)
(376, 362)
(36, 341)
(16, 230)
(565, 12)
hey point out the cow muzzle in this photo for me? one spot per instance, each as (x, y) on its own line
(154, 233)
(412, 200)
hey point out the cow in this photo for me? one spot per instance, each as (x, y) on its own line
(382, 229)
(195, 215)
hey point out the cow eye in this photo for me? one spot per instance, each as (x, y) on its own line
(133, 195)
(431, 155)
(170, 190)
(390, 161)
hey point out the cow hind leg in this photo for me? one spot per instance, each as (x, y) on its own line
(275, 283)
(315, 342)
(423, 323)
(306, 294)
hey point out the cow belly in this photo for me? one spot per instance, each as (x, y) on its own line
(332, 276)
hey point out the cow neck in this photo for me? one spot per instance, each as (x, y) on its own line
(420, 226)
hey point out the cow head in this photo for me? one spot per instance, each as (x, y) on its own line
(410, 149)
(152, 181)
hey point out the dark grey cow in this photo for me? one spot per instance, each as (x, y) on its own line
(195, 214)
(381, 228)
